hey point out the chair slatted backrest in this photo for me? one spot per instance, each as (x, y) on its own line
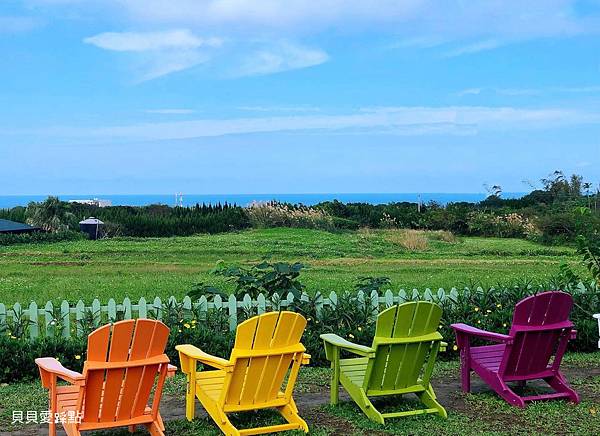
(540, 330)
(397, 363)
(119, 394)
(265, 348)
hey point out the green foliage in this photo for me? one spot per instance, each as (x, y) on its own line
(370, 284)
(264, 277)
(17, 359)
(40, 237)
(51, 215)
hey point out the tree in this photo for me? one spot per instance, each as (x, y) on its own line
(51, 215)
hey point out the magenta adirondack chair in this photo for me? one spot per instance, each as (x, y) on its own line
(532, 350)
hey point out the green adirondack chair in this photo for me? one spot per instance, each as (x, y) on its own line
(400, 361)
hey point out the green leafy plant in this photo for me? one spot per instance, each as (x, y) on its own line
(264, 277)
(370, 284)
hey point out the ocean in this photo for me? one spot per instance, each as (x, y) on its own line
(9, 201)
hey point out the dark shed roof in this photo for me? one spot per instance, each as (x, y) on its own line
(7, 226)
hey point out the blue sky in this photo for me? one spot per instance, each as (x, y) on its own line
(246, 96)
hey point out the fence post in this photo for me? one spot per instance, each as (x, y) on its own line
(112, 310)
(33, 317)
(142, 308)
(65, 318)
(187, 306)
(333, 299)
(428, 295)
(79, 312)
(318, 304)
(290, 301)
(441, 295)
(232, 304)
(262, 305)
(96, 311)
(275, 302)
(127, 308)
(375, 301)
(158, 308)
(2, 314)
(247, 303)
(202, 307)
(389, 298)
(48, 317)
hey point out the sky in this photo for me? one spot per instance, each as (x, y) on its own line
(296, 96)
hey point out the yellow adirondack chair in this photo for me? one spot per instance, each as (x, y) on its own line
(267, 349)
(124, 361)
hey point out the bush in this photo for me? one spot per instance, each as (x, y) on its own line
(38, 237)
(273, 214)
(512, 225)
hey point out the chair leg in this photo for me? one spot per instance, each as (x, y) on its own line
(428, 398)
(154, 429)
(465, 369)
(560, 384)
(290, 413)
(507, 393)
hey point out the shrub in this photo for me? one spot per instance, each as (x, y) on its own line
(40, 237)
(412, 240)
(512, 225)
(273, 214)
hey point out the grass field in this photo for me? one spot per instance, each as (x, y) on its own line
(169, 266)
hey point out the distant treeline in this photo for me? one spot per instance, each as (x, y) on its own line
(555, 213)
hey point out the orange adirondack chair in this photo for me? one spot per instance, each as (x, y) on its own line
(123, 362)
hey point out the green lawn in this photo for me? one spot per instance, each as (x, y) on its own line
(468, 414)
(169, 266)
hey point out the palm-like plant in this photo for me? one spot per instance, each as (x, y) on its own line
(51, 215)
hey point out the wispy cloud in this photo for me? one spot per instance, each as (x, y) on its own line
(279, 108)
(452, 120)
(469, 91)
(150, 41)
(516, 92)
(279, 57)
(475, 47)
(170, 111)
(159, 53)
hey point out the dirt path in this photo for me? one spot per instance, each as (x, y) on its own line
(447, 389)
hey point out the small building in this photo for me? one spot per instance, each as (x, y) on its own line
(93, 227)
(7, 226)
(93, 202)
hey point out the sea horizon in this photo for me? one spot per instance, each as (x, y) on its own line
(308, 199)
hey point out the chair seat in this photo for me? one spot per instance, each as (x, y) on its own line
(489, 356)
(354, 369)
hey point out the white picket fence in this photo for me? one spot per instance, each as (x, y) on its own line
(44, 320)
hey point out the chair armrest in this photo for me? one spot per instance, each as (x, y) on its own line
(306, 359)
(473, 331)
(171, 370)
(337, 341)
(49, 366)
(197, 354)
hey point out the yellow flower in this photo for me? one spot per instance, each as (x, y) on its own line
(498, 306)
(194, 321)
(593, 411)
(350, 335)
(455, 348)
(186, 325)
(179, 330)
(359, 328)
(193, 326)
(478, 321)
(504, 325)
(488, 311)
(476, 309)
(77, 357)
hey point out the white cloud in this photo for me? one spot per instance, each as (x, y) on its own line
(279, 57)
(147, 41)
(170, 111)
(469, 91)
(474, 48)
(453, 120)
